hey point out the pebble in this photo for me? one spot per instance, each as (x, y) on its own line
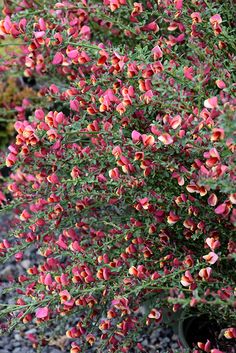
(17, 344)
(18, 350)
(26, 264)
(17, 337)
(145, 342)
(10, 301)
(31, 331)
(23, 350)
(6, 272)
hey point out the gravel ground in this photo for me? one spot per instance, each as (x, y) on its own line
(162, 340)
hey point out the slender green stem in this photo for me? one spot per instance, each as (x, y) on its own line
(85, 45)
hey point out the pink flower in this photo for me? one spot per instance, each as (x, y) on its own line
(103, 57)
(196, 17)
(148, 140)
(42, 313)
(213, 243)
(230, 333)
(157, 52)
(58, 58)
(52, 134)
(147, 96)
(19, 256)
(48, 279)
(121, 108)
(175, 122)
(187, 279)
(73, 54)
(25, 215)
(42, 24)
(205, 346)
(220, 84)
(232, 198)
(189, 72)
(155, 314)
(150, 27)
(205, 273)
(75, 348)
(211, 103)
(172, 218)
(39, 34)
(166, 139)
(211, 258)
(144, 203)
(113, 4)
(178, 4)
(212, 156)
(217, 134)
(74, 105)
(90, 338)
(121, 304)
(75, 172)
(137, 9)
(117, 151)
(215, 20)
(65, 296)
(136, 136)
(114, 174)
(11, 159)
(104, 273)
(212, 200)
(39, 114)
(221, 208)
(53, 178)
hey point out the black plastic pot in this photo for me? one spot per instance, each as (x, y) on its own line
(5, 171)
(197, 328)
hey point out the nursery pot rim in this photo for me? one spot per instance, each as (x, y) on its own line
(187, 321)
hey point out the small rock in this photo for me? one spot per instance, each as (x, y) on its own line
(17, 350)
(4, 341)
(16, 343)
(22, 350)
(54, 350)
(25, 264)
(11, 301)
(154, 337)
(145, 342)
(175, 345)
(31, 331)
(6, 272)
(142, 310)
(17, 337)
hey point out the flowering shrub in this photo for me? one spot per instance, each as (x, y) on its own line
(124, 176)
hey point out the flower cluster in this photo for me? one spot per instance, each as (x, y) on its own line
(124, 175)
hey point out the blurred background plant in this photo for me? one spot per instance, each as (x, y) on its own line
(13, 93)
